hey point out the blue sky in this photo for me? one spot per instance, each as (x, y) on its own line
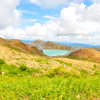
(53, 20)
(33, 11)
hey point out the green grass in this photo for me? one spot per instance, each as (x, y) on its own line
(42, 61)
(12, 70)
(57, 84)
(61, 71)
(44, 88)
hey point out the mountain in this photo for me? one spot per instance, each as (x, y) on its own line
(78, 44)
(51, 45)
(17, 53)
(86, 54)
(18, 45)
(69, 44)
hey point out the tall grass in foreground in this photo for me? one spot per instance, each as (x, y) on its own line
(20, 83)
(44, 88)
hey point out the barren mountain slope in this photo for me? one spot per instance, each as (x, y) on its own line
(87, 53)
(49, 45)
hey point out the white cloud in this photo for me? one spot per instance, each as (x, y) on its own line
(11, 32)
(77, 23)
(49, 3)
(95, 1)
(49, 17)
(38, 2)
(29, 20)
(9, 15)
(53, 3)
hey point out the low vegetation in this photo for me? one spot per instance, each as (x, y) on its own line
(44, 88)
(23, 83)
(12, 70)
(25, 74)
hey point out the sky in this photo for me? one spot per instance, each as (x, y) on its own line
(75, 21)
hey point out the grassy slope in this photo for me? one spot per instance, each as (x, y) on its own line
(18, 58)
(44, 79)
(12, 56)
(78, 65)
(43, 88)
(57, 84)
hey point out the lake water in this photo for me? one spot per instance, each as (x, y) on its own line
(55, 52)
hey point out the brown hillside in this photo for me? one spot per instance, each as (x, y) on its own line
(18, 45)
(49, 45)
(10, 53)
(87, 53)
(98, 49)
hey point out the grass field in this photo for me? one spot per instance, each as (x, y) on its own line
(57, 83)
(44, 88)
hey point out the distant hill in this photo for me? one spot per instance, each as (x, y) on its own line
(51, 45)
(79, 44)
(86, 54)
(18, 45)
(69, 44)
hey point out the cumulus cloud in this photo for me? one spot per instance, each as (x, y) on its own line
(95, 1)
(49, 3)
(77, 23)
(74, 20)
(9, 15)
(53, 3)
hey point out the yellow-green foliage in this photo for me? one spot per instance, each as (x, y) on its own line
(58, 71)
(56, 84)
(42, 61)
(12, 70)
(44, 88)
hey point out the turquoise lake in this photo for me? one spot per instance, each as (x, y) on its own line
(55, 52)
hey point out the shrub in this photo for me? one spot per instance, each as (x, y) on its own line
(97, 73)
(23, 67)
(14, 72)
(58, 71)
(61, 71)
(32, 70)
(0, 71)
(2, 61)
(95, 66)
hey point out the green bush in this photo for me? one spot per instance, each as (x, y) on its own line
(23, 67)
(2, 61)
(14, 72)
(83, 72)
(58, 71)
(0, 72)
(33, 70)
(95, 66)
(61, 71)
